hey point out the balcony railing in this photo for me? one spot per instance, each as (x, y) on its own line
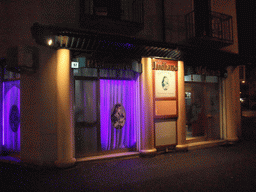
(127, 14)
(219, 27)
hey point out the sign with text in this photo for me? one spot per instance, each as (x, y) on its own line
(165, 88)
(75, 65)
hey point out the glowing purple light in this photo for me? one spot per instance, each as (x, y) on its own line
(3, 118)
(124, 45)
(11, 97)
(126, 93)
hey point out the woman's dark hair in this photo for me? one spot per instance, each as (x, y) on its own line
(163, 83)
(115, 109)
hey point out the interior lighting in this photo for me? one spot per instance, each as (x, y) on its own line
(3, 117)
(243, 81)
(11, 137)
(124, 92)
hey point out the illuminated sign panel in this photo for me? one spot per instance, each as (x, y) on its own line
(165, 88)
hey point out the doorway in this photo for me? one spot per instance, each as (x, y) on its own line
(86, 117)
(202, 111)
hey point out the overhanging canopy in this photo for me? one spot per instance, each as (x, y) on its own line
(100, 45)
(108, 47)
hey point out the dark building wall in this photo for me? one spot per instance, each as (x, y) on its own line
(152, 21)
(17, 17)
(175, 12)
(246, 26)
(59, 12)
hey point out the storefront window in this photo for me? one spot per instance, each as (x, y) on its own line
(202, 106)
(107, 112)
(10, 112)
(86, 117)
(119, 114)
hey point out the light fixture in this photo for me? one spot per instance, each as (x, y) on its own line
(50, 41)
(243, 81)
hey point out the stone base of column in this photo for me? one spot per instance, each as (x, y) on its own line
(182, 148)
(65, 163)
(232, 140)
(148, 152)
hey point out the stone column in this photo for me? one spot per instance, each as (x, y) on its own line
(65, 123)
(147, 116)
(233, 109)
(181, 121)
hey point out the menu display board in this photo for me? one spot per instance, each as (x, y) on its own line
(165, 88)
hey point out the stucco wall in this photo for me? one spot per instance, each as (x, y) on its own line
(38, 111)
(38, 90)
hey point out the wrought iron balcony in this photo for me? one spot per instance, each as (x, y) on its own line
(214, 30)
(123, 17)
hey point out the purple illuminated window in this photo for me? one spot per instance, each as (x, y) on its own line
(126, 93)
(11, 116)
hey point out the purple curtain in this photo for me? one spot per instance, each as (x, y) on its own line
(10, 133)
(126, 93)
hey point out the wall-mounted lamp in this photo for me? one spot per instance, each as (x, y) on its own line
(50, 42)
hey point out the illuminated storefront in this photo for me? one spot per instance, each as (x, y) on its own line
(100, 96)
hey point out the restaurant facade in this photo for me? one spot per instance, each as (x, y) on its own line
(76, 86)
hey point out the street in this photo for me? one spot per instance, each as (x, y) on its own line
(223, 168)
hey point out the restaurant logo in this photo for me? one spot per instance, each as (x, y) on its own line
(165, 83)
(163, 66)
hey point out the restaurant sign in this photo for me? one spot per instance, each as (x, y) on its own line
(161, 65)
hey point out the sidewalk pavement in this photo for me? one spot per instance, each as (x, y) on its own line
(223, 168)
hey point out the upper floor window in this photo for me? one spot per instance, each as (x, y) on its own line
(130, 10)
(110, 8)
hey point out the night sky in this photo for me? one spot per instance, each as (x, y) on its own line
(246, 18)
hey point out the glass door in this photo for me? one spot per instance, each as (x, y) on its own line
(212, 103)
(202, 110)
(86, 117)
(195, 110)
